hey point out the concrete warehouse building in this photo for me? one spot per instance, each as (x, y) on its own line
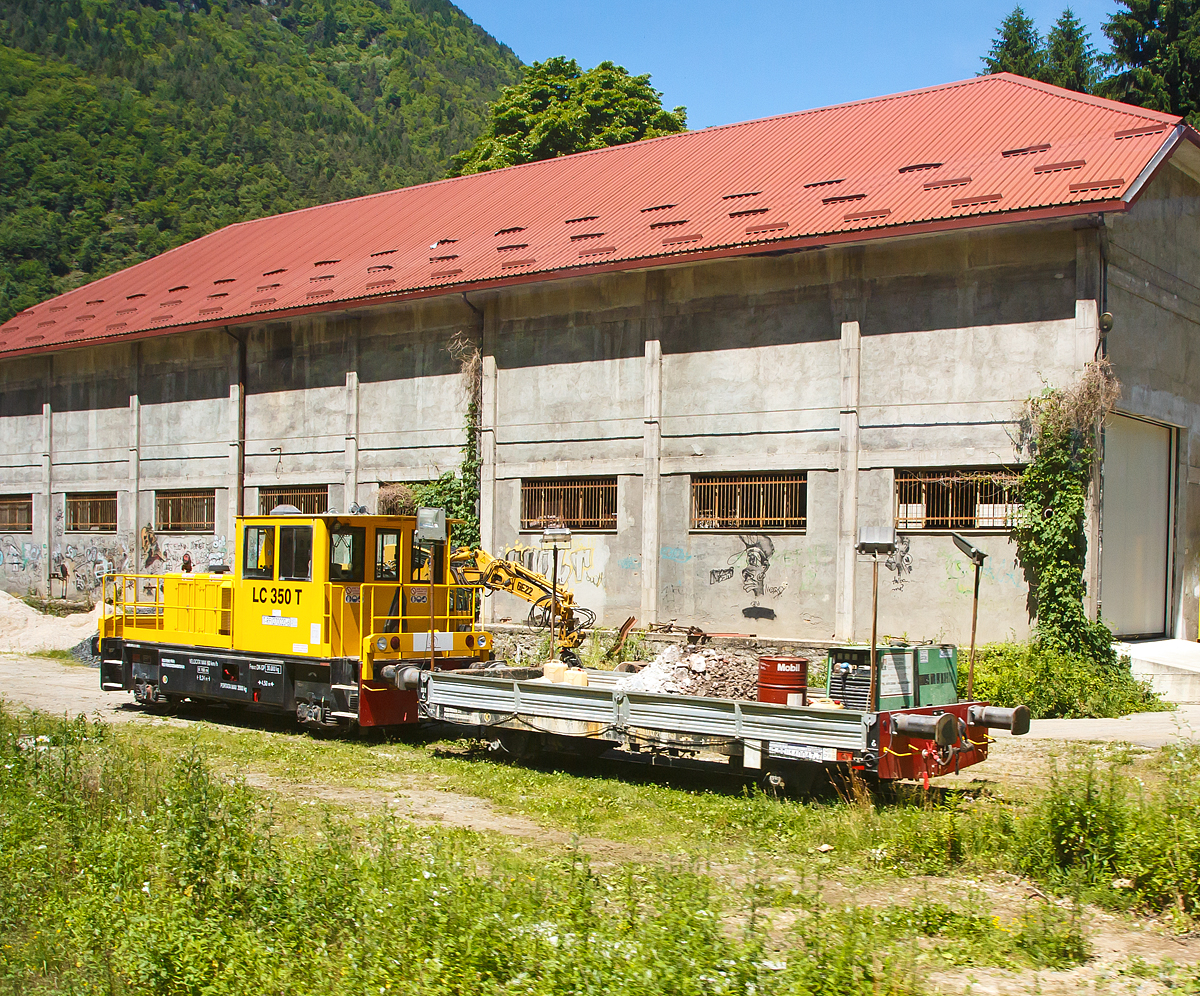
(714, 355)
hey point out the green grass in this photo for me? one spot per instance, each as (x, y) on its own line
(139, 861)
(60, 655)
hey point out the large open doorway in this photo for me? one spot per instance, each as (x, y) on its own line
(1136, 523)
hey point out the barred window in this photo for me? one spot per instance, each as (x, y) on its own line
(185, 511)
(574, 502)
(311, 499)
(777, 501)
(16, 513)
(94, 512)
(957, 499)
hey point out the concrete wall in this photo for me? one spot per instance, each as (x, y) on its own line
(1153, 254)
(847, 364)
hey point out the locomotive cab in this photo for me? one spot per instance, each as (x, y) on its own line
(315, 605)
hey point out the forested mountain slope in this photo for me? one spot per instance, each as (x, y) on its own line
(127, 128)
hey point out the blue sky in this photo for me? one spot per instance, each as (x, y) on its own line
(735, 61)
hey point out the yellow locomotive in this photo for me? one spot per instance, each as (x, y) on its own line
(314, 618)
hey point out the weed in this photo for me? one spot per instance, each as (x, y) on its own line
(1054, 682)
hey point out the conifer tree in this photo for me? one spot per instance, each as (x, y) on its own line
(1070, 55)
(1017, 48)
(1156, 55)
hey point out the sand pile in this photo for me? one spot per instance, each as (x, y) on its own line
(25, 630)
(690, 670)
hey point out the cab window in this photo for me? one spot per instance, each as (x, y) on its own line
(259, 557)
(295, 553)
(387, 555)
(347, 549)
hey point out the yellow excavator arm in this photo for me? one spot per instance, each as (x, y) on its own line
(480, 567)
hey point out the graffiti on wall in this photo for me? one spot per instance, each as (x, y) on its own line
(81, 567)
(20, 564)
(756, 552)
(900, 563)
(581, 568)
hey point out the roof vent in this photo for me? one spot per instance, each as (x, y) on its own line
(841, 198)
(677, 239)
(326, 262)
(976, 201)
(172, 290)
(262, 302)
(443, 259)
(510, 263)
(160, 318)
(511, 231)
(379, 268)
(824, 183)
(271, 273)
(589, 235)
(42, 325)
(217, 295)
(658, 207)
(774, 226)
(211, 311)
(1007, 153)
(438, 274)
(265, 287)
(114, 325)
(84, 318)
(597, 251)
(322, 278)
(669, 224)
(34, 338)
(747, 212)
(1059, 167)
(380, 283)
(867, 215)
(733, 197)
(1078, 188)
(941, 184)
(317, 293)
(58, 307)
(225, 280)
(514, 246)
(1147, 129)
(98, 300)
(126, 311)
(170, 304)
(383, 252)
(134, 297)
(917, 167)
(586, 217)
(74, 332)
(442, 242)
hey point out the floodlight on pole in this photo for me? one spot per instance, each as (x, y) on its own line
(872, 541)
(555, 538)
(977, 557)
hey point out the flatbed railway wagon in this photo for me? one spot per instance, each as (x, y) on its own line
(915, 728)
(314, 607)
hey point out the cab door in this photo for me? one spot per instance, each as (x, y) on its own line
(347, 557)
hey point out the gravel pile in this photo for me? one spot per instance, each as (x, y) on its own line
(82, 652)
(706, 671)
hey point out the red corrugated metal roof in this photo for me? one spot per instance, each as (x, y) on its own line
(982, 151)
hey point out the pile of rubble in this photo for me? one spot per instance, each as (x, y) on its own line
(691, 670)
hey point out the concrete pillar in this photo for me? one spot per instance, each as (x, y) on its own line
(233, 479)
(847, 557)
(135, 437)
(651, 479)
(47, 490)
(1087, 343)
(488, 409)
(351, 469)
